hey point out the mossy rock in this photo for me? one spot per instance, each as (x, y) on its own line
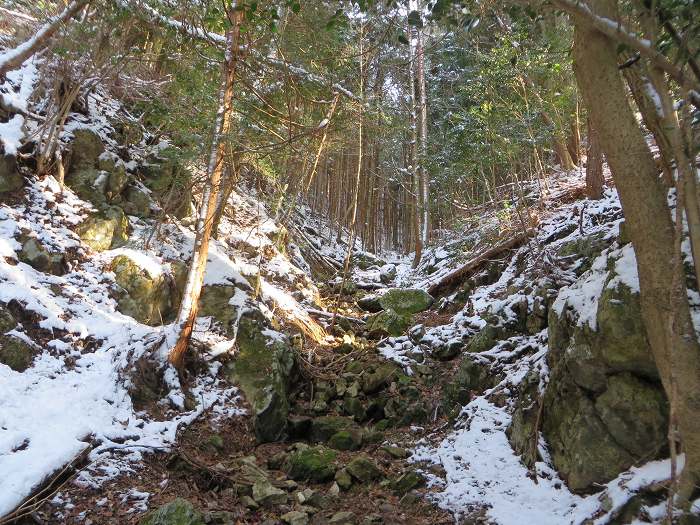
(146, 298)
(365, 260)
(177, 512)
(380, 378)
(263, 368)
(214, 302)
(346, 440)
(406, 301)
(369, 303)
(388, 322)
(521, 432)
(10, 178)
(323, 427)
(407, 481)
(15, 353)
(363, 469)
(90, 184)
(584, 250)
(35, 255)
(136, 202)
(473, 377)
(315, 464)
(170, 183)
(104, 230)
(486, 338)
(85, 150)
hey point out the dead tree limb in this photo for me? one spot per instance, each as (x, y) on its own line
(450, 281)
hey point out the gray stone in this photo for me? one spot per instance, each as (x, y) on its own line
(177, 512)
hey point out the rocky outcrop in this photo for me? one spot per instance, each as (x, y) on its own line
(106, 229)
(263, 368)
(144, 296)
(10, 177)
(604, 408)
(14, 352)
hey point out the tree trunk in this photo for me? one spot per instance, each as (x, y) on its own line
(190, 299)
(665, 310)
(415, 177)
(423, 136)
(594, 167)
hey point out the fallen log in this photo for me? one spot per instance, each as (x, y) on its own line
(453, 279)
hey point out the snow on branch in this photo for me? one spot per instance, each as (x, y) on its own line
(14, 58)
(140, 6)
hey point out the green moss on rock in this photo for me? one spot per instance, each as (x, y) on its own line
(316, 464)
(405, 301)
(177, 512)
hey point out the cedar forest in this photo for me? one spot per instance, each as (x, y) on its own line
(349, 262)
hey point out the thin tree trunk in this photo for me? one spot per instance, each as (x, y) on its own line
(664, 302)
(415, 177)
(195, 277)
(423, 136)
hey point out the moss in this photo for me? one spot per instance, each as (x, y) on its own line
(388, 322)
(145, 298)
(313, 463)
(405, 301)
(15, 353)
(177, 512)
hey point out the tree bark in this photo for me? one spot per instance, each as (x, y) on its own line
(423, 137)
(594, 166)
(189, 306)
(415, 177)
(665, 308)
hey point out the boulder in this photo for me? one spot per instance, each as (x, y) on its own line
(136, 202)
(15, 353)
(263, 368)
(267, 495)
(346, 440)
(407, 481)
(10, 178)
(85, 150)
(473, 377)
(214, 302)
(90, 184)
(104, 230)
(316, 464)
(378, 379)
(388, 322)
(406, 300)
(486, 338)
(369, 303)
(35, 255)
(177, 512)
(363, 469)
(387, 273)
(365, 260)
(604, 408)
(145, 297)
(322, 428)
(170, 183)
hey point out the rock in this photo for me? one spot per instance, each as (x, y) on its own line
(170, 183)
(406, 300)
(322, 428)
(369, 303)
(276, 461)
(635, 413)
(90, 184)
(379, 379)
(485, 339)
(314, 463)
(409, 499)
(604, 407)
(396, 452)
(343, 518)
(365, 260)
(137, 202)
(15, 353)
(265, 494)
(295, 517)
(35, 255)
(214, 302)
(406, 482)
(10, 178)
(299, 427)
(104, 230)
(388, 322)
(263, 368)
(364, 469)
(354, 407)
(85, 150)
(177, 512)
(448, 350)
(473, 377)
(343, 479)
(220, 517)
(387, 273)
(346, 440)
(521, 432)
(145, 297)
